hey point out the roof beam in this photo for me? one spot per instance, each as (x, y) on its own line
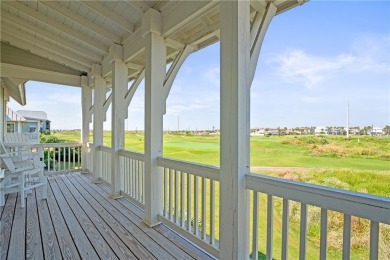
(88, 24)
(113, 16)
(270, 12)
(86, 52)
(139, 5)
(17, 92)
(42, 52)
(57, 25)
(184, 13)
(15, 71)
(45, 45)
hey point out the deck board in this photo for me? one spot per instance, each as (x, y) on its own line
(6, 224)
(123, 227)
(85, 248)
(33, 234)
(112, 239)
(181, 243)
(134, 225)
(50, 243)
(65, 198)
(80, 220)
(17, 245)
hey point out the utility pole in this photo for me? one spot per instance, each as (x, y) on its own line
(348, 119)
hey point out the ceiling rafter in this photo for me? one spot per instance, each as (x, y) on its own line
(45, 45)
(88, 24)
(57, 25)
(111, 15)
(86, 52)
(139, 5)
(43, 52)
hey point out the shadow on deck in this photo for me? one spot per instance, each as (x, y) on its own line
(80, 220)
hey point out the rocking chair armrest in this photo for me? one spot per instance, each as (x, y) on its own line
(17, 155)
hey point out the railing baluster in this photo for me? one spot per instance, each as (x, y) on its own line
(79, 157)
(374, 239)
(165, 189)
(136, 179)
(285, 223)
(204, 198)
(347, 237)
(182, 195)
(69, 158)
(176, 196)
(170, 194)
(212, 212)
(134, 174)
(63, 159)
(196, 211)
(303, 232)
(324, 234)
(189, 202)
(48, 158)
(270, 220)
(74, 158)
(255, 235)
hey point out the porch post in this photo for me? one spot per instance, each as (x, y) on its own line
(155, 55)
(86, 103)
(235, 128)
(119, 89)
(99, 96)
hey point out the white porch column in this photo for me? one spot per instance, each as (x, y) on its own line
(235, 128)
(155, 55)
(86, 103)
(99, 96)
(119, 110)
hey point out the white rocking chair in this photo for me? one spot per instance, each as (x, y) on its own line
(23, 172)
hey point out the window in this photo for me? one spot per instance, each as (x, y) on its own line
(10, 127)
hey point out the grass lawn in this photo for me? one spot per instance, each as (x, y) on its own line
(359, 164)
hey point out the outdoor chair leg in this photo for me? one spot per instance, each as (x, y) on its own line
(2, 193)
(22, 191)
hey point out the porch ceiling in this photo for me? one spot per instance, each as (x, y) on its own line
(68, 37)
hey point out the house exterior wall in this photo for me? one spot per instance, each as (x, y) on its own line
(2, 113)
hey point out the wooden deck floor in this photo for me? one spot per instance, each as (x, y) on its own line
(80, 221)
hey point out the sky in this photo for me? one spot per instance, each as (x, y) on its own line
(314, 60)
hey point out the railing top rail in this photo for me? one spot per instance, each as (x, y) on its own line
(353, 203)
(197, 169)
(132, 154)
(56, 145)
(104, 148)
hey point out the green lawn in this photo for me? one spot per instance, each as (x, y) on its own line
(359, 164)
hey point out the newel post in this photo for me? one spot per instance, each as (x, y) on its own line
(119, 111)
(155, 56)
(99, 96)
(86, 118)
(235, 97)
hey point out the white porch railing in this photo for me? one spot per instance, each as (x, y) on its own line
(191, 207)
(90, 157)
(374, 209)
(191, 201)
(132, 176)
(105, 163)
(61, 157)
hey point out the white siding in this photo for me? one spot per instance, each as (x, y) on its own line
(2, 113)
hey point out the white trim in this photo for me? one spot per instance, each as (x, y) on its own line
(15, 71)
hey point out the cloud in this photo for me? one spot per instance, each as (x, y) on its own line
(366, 55)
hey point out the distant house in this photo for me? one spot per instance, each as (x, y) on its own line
(320, 130)
(15, 121)
(377, 131)
(36, 121)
